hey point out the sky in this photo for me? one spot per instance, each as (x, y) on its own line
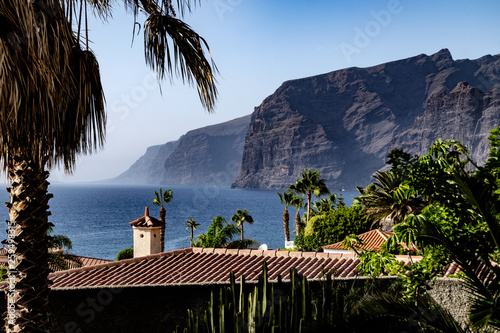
(257, 45)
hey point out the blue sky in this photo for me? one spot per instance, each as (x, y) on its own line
(257, 45)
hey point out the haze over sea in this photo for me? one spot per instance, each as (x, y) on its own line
(96, 217)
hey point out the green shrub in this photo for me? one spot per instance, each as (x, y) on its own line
(125, 254)
(241, 244)
(332, 227)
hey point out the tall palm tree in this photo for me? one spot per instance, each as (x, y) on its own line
(191, 224)
(161, 199)
(285, 199)
(310, 184)
(52, 109)
(240, 217)
(298, 203)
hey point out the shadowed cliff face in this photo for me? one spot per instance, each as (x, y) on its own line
(206, 156)
(345, 122)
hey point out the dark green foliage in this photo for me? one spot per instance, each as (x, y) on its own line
(401, 162)
(240, 217)
(241, 244)
(125, 254)
(3, 273)
(332, 306)
(59, 257)
(460, 223)
(332, 227)
(219, 233)
(310, 184)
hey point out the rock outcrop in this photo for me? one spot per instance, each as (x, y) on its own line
(149, 168)
(345, 122)
(206, 156)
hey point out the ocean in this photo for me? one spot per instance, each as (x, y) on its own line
(96, 217)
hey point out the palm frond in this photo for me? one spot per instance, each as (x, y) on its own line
(101, 8)
(173, 49)
(43, 68)
(63, 261)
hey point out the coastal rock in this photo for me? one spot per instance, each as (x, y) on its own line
(345, 122)
(206, 156)
(149, 168)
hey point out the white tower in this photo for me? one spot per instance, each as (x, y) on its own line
(147, 238)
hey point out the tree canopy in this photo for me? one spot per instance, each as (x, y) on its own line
(460, 223)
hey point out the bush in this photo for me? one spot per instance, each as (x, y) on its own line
(332, 227)
(241, 244)
(125, 254)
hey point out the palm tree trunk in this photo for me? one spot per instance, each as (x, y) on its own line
(242, 230)
(28, 293)
(286, 225)
(308, 205)
(192, 236)
(163, 213)
(297, 223)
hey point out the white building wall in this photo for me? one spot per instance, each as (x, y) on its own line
(146, 241)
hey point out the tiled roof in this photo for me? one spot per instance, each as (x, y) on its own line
(86, 261)
(196, 266)
(146, 221)
(372, 239)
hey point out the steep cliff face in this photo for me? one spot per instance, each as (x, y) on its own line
(466, 114)
(345, 122)
(205, 156)
(148, 169)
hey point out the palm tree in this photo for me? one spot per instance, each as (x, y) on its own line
(59, 258)
(191, 223)
(52, 109)
(219, 233)
(285, 199)
(240, 217)
(161, 199)
(298, 203)
(310, 184)
(353, 243)
(325, 205)
(388, 199)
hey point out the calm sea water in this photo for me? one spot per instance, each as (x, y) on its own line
(96, 217)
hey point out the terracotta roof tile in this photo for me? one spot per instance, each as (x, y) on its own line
(372, 239)
(195, 266)
(86, 261)
(146, 221)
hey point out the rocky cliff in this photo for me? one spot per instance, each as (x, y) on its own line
(345, 122)
(206, 156)
(149, 168)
